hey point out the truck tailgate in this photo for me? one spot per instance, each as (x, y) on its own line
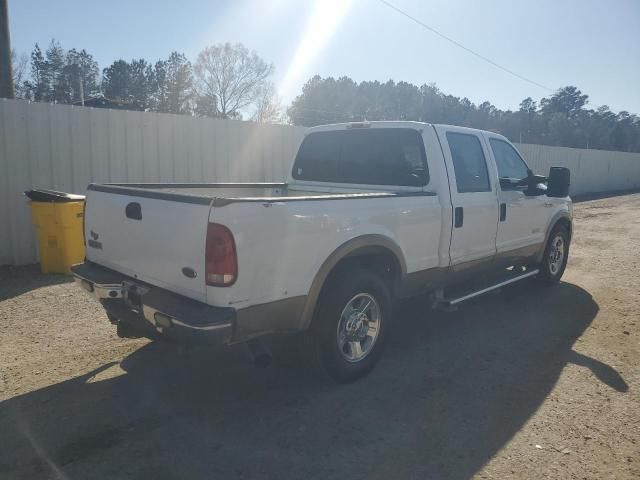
(159, 241)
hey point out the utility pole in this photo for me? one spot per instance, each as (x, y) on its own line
(6, 74)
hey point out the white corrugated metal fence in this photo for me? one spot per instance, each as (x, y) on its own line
(65, 148)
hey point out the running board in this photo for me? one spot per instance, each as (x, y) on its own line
(455, 301)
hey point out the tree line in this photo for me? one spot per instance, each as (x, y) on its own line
(229, 81)
(561, 119)
(226, 81)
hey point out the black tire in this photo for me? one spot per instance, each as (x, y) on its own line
(551, 270)
(350, 287)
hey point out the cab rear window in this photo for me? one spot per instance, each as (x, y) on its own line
(371, 156)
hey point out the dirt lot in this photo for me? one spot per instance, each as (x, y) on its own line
(526, 383)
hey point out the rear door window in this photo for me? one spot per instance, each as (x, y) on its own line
(469, 163)
(371, 156)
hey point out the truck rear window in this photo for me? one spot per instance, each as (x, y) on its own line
(371, 156)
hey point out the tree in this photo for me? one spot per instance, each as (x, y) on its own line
(81, 72)
(567, 100)
(204, 106)
(141, 82)
(231, 77)
(173, 84)
(527, 120)
(19, 64)
(115, 80)
(562, 119)
(131, 83)
(528, 106)
(268, 107)
(57, 85)
(56, 76)
(38, 87)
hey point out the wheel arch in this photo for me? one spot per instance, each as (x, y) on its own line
(375, 251)
(560, 218)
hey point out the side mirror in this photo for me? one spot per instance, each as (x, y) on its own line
(534, 184)
(559, 181)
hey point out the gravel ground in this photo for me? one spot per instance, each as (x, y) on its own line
(526, 383)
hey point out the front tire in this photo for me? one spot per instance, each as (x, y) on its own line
(556, 254)
(350, 325)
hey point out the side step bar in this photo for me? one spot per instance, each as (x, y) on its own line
(455, 301)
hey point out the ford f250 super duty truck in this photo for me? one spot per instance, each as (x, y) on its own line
(371, 212)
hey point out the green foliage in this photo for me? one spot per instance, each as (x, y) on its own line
(130, 82)
(567, 100)
(81, 75)
(173, 84)
(228, 81)
(165, 87)
(56, 76)
(561, 119)
(38, 87)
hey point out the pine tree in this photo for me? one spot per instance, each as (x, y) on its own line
(37, 88)
(173, 84)
(58, 88)
(81, 68)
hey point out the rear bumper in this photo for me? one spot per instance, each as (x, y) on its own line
(153, 311)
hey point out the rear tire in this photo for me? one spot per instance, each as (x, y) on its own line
(350, 325)
(556, 254)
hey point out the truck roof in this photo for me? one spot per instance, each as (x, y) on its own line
(390, 124)
(366, 124)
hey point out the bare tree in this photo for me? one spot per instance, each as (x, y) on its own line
(268, 107)
(231, 78)
(20, 64)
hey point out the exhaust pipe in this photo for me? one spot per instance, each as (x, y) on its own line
(260, 356)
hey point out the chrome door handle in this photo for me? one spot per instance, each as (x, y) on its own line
(548, 204)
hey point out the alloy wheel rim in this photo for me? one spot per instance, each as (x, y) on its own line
(556, 255)
(359, 327)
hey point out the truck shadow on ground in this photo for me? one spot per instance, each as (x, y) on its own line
(18, 280)
(452, 389)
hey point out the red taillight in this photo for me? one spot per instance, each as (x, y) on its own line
(220, 257)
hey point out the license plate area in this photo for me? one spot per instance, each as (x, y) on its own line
(132, 294)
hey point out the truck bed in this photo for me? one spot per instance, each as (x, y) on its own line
(152, 231)
(221, 194)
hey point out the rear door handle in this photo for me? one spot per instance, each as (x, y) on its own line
(503, 212)
(458, 217)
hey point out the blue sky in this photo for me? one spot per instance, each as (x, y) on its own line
(594, 45)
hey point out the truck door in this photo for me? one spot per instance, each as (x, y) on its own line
(523, 216)
(472, 182)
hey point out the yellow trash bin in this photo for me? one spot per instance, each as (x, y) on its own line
(58, 219)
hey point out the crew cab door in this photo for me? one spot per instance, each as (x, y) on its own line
(523, 216)
(472, 181)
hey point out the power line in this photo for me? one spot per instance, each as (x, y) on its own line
(458, 44)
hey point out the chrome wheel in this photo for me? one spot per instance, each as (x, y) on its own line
(359, 327)
(556, 255)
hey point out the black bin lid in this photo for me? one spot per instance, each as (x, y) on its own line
(42, 195)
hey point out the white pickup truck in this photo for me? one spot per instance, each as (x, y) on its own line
(371, 212)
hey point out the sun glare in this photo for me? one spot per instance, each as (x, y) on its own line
(325, 18)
